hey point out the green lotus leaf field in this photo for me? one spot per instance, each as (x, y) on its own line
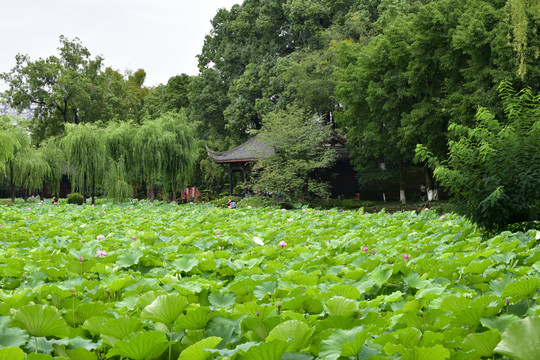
(162, 281)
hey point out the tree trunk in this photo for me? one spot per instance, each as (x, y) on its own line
(402, 197)
(174, 192)
(12, 185)
(93, 190)
(83, 192)
(151, 193)
(431, 186)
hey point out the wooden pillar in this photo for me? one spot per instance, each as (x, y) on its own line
(230, 179)
(244, 170)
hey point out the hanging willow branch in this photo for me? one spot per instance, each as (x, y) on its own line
(181, 151)
(56, 159)
(116, 185)
(519, 12)
(9, 144)
(148, 154)
(30, 170)
(85, 151)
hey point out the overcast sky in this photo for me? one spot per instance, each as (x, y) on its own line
(160, 36)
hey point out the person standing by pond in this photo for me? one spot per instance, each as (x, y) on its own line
(422, 191)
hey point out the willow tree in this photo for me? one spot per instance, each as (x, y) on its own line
(30, 170)
(17, 143)
(9, 143)
(115, 183)
(148, 153)
(121, 176)
(25, 167)
(54, 156)
(84, 146)
(180, 150)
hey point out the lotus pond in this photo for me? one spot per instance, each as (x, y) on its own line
(141, 281)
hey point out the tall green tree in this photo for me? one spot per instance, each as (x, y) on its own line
(85, 151)
(172, 96)
(120, 147)
(294, 169)
(115, 184)
(149, 155)
(72, 88)
(55, 157)
(26, 168)
(180, 149)
(8, 142)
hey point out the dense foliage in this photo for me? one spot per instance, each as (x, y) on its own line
(493, 168)
(385, 74)
(299, 160)
(161, 281)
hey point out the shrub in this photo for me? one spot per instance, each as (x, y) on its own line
(75, 198)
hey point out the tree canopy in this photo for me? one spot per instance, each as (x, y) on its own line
(72, 88)
(300, 156)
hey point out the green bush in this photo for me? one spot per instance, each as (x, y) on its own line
(75, 198)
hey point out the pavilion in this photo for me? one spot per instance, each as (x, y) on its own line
(241, 158)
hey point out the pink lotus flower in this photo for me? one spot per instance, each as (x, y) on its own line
(101, 253)
(80, 259)
(442, 217)
(100, 237)
(269, 213)
(133, 238)
(406, 257)
(282, 243)
(365, 249)
(282, 210)
(290, 219)
(217, 233)
(303, 210)
(373, 252)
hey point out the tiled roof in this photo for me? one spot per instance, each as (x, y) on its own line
(251, 150)
(254, 149)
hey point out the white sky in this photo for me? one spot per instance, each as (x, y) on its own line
(160, 36)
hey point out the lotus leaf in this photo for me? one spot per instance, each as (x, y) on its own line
(141, 346)
(521, 340)
(41, 320)
(295, 333)
(198, 351)
(12, 353)
(165, 309)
